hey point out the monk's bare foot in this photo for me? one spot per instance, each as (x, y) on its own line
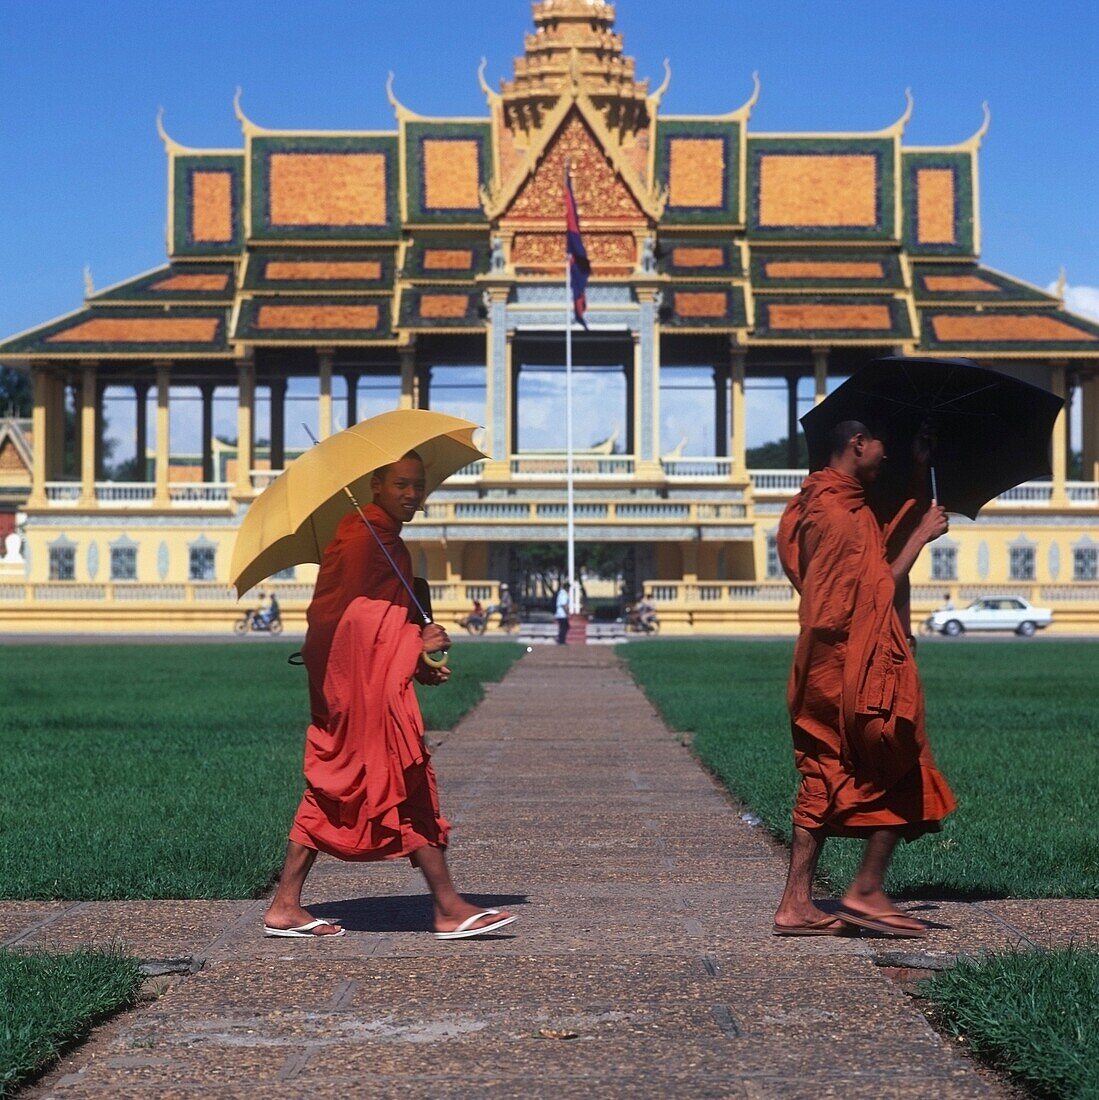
(879, 905)
(294, 917)
(798, 916)
(448, 920)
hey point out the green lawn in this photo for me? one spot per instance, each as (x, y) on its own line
(165, 771)
(1032, 1013)
(1013, 728)
(49, 1001)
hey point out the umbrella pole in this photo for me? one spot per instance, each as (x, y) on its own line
(934, 487)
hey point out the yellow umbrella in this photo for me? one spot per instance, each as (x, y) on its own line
(295, 517)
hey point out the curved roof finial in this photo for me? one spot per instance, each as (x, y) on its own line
(399, 109)
(745, 109)
(910, 104)
(1062, 282)
(658, 95)
(493, 97)
(975, 141)
(246, 124)
(170, 144)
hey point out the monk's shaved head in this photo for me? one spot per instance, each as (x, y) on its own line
(841, 435)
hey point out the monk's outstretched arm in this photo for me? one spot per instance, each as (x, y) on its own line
(933, 524)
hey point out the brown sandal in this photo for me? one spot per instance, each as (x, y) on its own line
(879, 922)
(826, 926)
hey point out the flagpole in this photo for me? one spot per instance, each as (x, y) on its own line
(570, 528)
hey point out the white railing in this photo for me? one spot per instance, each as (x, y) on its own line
(62, 492)
(777, 481)
(719, 592)
(694, 468)
(141, 494)
(583, 465)
(199, 494)
(469, 473)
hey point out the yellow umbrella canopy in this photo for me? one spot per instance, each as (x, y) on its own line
(295, 517)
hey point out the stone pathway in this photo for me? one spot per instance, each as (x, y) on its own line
(642, 964)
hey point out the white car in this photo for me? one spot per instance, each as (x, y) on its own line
(993, 613)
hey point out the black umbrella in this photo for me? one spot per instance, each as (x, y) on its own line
(990, 431)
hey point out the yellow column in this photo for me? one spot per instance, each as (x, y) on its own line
(820, 374)
(246, 400)
(1057, 380)
(163, 430)
(41, 424)
(1089, 422)
(56, 395)
(325, 358)
(407, 353)
(737, 421)
(87, 433)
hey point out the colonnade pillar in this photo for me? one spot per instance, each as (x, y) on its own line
(325, 359)
(207, 391)
(1089, 423)
(89, 391)
(352, 380)
(41, 425)
(647, 379)
(499, 441)
(1058, 383)
(738, 448)
(163, 428)
(721, 409)
(246, 399)
(141, 434)
(792, 379)
(407, 356)
(278, 423)
(820, 375)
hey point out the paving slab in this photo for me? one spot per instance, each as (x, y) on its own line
(642, 963)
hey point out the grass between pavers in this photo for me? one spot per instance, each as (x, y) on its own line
(47, 1002)
(166, 771)
(1012, 725)
(1030, 1013)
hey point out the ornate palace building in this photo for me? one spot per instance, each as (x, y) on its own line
(413, 261)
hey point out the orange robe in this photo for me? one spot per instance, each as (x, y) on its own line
(371, 790)
(855, 699)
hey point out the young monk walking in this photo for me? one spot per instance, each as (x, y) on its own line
(370, 791)
(856, 704)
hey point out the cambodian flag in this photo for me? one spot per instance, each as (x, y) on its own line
(579, 264)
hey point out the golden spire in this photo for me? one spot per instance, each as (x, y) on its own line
(574, 45)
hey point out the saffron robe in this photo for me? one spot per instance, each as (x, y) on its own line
(371, 791)
(855, 698)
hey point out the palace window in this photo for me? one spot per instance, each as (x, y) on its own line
(774, 566)
(459, 391)
(600, 401)
(688, 412)
(123, 563)
(62, 563)
(944, 563)
(1021, 563)
(202, 563)
(1085, 563)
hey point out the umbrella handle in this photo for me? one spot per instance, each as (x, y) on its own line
(437, 659)
(934, 487)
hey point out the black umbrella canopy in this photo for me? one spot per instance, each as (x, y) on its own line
(990, 431)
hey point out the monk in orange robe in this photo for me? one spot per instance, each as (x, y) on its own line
(856, 704)
(371, 791)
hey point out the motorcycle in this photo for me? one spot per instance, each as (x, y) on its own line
(253, 621)
(641, 623)
(473, 623)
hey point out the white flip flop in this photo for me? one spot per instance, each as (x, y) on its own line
(303, 931)
(464, 931)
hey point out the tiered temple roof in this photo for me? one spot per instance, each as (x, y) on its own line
(365, 239)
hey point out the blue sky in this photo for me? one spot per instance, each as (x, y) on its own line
(82, 176)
